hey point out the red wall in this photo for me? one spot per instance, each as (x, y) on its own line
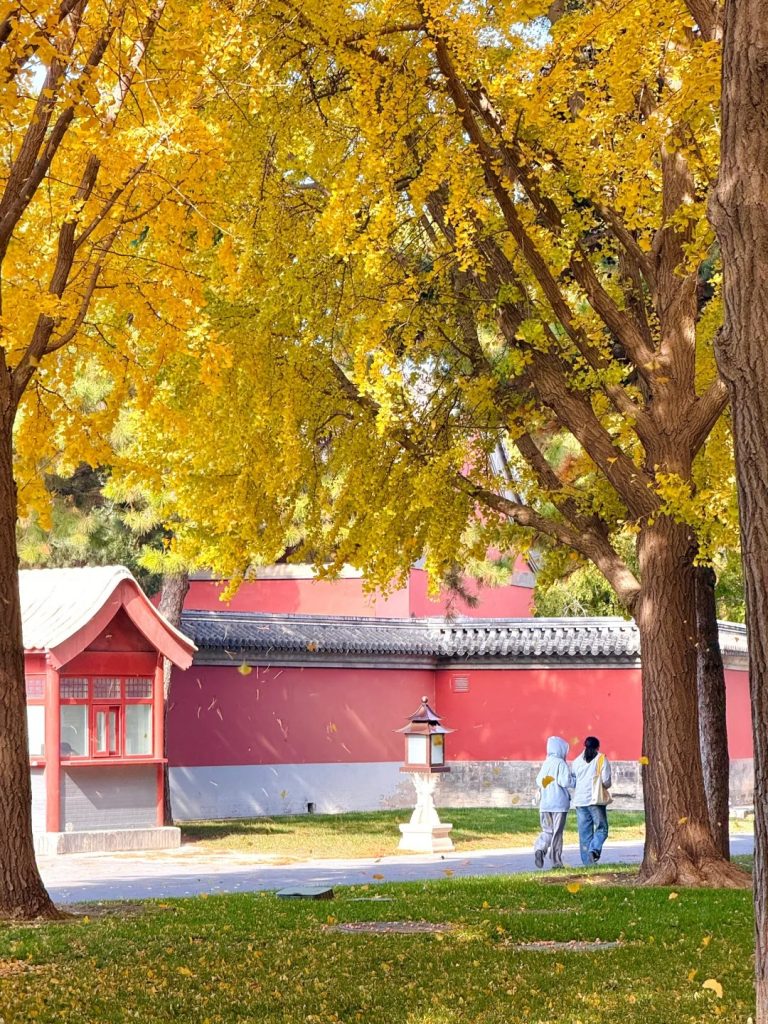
(346, 596)
(493, 602)
(310, 715)
(291, 715)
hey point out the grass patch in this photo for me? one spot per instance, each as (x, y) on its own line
(375, 833)
(256, 958)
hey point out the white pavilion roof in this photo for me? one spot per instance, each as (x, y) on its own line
(57, 603)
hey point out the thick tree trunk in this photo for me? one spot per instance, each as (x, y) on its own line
(171, 604)
(739, 210)
(713, 729)
(679, 847)
(22, 893)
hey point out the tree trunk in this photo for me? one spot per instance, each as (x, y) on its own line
(739, 211)
(713, 729)
(679, 848)
(171, 604)
(22, 893)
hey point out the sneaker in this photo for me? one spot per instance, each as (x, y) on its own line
(594, 856)
(538, 858)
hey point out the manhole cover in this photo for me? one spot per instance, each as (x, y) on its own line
(574, 946)
(388, 927)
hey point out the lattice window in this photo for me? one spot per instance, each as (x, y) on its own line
(35, 687)
(138, 689)
(106, 689)
(74, 689)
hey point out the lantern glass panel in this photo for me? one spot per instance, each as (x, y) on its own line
(416, 749)
(438, 749)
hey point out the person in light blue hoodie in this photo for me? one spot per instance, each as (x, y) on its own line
(553, 780)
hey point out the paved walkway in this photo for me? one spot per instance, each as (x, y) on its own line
(188, 872)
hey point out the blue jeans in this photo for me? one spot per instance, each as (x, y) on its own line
(593, 831)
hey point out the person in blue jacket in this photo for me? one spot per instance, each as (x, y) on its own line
(553, 780)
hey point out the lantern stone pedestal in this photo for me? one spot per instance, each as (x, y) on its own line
(425, 833)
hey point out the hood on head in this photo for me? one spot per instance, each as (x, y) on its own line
(557, 747)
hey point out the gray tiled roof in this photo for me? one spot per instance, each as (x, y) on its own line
(260, 634)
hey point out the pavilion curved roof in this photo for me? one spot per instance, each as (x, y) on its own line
(63, 610)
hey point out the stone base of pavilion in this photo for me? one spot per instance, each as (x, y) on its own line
(51, 844)
(417, 838)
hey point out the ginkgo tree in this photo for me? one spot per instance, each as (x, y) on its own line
(451, 230)
(102, 220)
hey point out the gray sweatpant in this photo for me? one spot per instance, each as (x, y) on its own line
(551, 837)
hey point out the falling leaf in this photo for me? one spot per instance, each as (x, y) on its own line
(547, 780)
(244, 669)
(673, 896)
(682, 821)
(573, 887)
(643, 760)
(714, 986)
(312, 645)
(377, 876)
(447, 871)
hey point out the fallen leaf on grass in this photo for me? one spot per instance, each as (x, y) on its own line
(714, 986)
(673, 896)
(573, 887)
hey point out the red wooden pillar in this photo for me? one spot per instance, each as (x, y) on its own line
(158, 738)
(52, 751)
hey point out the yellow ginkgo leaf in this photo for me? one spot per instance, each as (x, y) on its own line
(547, 780)
(486, 904)
(714, 986)
(447, 871)
(673, 896)
(706, 940)
(573, 887)
(244, 669)
(643, 760)
(377, 876)
(682, 821)
(692, 974)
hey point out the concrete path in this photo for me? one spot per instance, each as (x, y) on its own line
(188, 872)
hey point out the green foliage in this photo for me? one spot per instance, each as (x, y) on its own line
(85, 528)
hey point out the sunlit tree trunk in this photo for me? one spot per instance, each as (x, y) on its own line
(739, 210)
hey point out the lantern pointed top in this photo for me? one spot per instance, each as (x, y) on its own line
(424, 720)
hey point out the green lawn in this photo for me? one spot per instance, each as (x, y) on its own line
(249, 959)
(375, 834)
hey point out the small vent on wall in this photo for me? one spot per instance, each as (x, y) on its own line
(460, 684)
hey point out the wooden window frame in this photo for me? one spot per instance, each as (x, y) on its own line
(97, 704)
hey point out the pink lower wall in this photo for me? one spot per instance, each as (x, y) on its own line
(291, 715)
(330, 715)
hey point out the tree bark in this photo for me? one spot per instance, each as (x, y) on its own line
(679, 847)
(172, 593)
(22, 893)
(713, 729)
(739, 211)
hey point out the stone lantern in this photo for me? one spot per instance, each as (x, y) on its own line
(425, 762)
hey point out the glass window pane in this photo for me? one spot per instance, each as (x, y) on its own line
(417, 749)
(74, 730)
(101, 732)
(138, 729)
(36, 730)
